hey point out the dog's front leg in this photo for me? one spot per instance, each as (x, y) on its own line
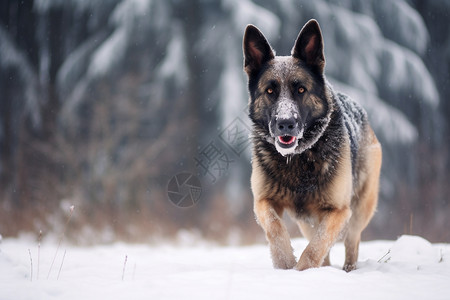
(330, 226)
(276, 233)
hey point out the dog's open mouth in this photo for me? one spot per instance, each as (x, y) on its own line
(286, 144)
(287, 140)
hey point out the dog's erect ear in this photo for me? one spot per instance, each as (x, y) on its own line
(257, 50)
(309, 46)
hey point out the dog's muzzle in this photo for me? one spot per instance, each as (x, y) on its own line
(286, 131)
(286, 128)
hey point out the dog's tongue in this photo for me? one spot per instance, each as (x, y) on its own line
(286, 139)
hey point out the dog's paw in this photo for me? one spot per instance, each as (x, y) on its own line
(349, 267)
(307, 261)
(282, 255)
(284, 264)
(301, 266)
(282, 260)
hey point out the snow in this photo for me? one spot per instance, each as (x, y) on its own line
(109, 53)
(246, 12)
(74, 66)
(409, 268)
(128, 10)
(174, 63)
(285, 109)
(113, 50)
(405, 72)
(378, 65)
(232, 85)
(398, 21)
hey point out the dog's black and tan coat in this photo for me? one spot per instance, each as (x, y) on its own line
(314, 152)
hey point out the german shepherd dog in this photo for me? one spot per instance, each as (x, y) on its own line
(314, 152)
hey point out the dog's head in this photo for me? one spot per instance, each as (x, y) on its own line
(289, 102)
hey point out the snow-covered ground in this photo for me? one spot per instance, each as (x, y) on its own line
(409, 268)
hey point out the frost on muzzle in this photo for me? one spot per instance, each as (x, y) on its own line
(286, 127)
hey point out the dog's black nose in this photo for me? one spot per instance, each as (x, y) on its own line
(286, 127)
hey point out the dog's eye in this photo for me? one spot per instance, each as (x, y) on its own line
(269, 91)
(301, 90)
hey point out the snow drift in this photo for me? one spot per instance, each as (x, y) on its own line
(409, 268)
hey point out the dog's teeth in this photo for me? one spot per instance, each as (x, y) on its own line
(288, 159)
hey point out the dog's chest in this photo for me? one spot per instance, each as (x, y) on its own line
(301, 181)
(307, 173)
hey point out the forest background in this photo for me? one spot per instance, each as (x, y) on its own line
(104, 103)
